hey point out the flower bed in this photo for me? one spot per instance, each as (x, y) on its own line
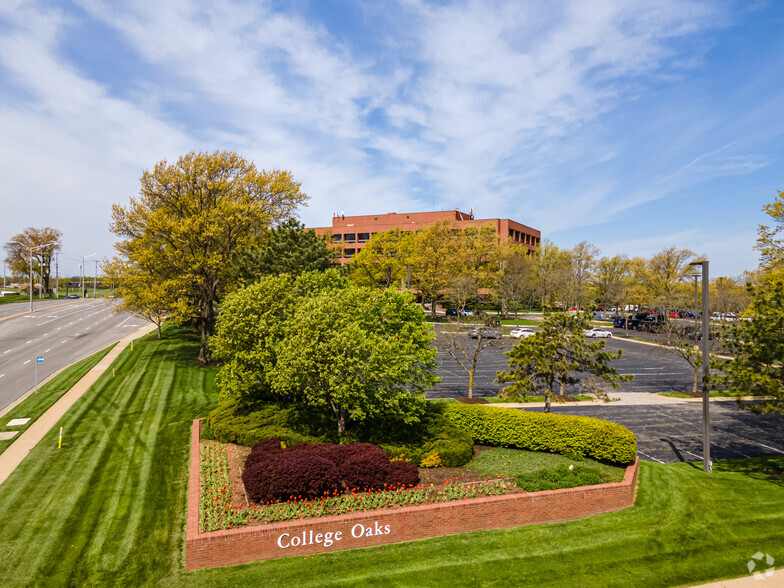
(371, 522)
(216, 510)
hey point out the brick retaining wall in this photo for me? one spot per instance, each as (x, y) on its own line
(303, 537)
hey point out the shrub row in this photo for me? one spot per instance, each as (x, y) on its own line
(508, 427)
(560, 477)
(434, 433)
(313, 470)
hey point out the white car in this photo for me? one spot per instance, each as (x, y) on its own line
(521, 332)
(598, 333)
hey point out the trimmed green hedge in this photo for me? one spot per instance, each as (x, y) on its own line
(560, 477)
(231, 425)
(556, 433)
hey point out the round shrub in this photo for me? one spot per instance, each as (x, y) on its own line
(366, 469)
(353, 450)
(329, 451)
(261, 478)
(402, 473)
(285, 474)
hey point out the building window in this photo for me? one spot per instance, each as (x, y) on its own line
(406, 216)
(364, 237)
(349, 252)
(336, 238)
(350, 237)
(511, 233)
(375, 218)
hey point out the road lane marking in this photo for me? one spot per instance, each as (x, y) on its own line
(45, 334)
(650, 457)
(48, 350)
(28, 361)
(28, 342)
(9, 351)
(65, 340)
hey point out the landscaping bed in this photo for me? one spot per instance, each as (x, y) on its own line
(223, 533)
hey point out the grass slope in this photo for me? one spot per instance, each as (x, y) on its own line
(109, 509)
(39, 402)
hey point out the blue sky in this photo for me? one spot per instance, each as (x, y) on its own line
(632, 125)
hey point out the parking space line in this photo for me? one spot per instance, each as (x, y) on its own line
(649, 457)
(748, 440)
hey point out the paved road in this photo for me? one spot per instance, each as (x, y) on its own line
(61, 334)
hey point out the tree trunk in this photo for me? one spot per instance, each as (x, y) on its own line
(562, 390)
(159, 330)
(694, 382)
(205, 321)
(547, 400)
(471, 384)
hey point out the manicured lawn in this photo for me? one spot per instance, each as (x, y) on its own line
(109, 509)
(521, 322)
(15, 298)
(510, 462)
(37, 403)
(675, 394)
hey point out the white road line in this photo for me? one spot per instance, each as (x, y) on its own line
(58, 328)
(1, 375)
(45, 334)
(48, 350)
(77, 334)
(650, 457)
(28, 361)
(65, 340)
(8, 351)
(28, 342)
(747, 440)
(126, 320)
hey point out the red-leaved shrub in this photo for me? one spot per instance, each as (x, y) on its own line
(310, 470)
(402, 473)
(365, 470)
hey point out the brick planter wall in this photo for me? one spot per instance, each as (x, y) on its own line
(325, 534)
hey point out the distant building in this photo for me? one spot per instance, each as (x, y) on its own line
(352, 232)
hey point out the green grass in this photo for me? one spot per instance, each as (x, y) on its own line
(675, 395)
(14, 298)
(521, 322)
(109, 509)
(510, 462)
(442, 400)
(39, 402)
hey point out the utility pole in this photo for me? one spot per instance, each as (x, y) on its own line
(707, 464)
(57, 278)
(95, 277)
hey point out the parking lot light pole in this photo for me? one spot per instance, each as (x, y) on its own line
(707, 465)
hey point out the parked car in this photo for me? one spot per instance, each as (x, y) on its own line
(486, 333)
(620, 323)
(463, 312)
(521, 332)
(651, 324)
(597, 333)
(72, 296)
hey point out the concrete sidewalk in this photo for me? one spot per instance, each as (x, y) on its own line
(18, 450)
(622, 399)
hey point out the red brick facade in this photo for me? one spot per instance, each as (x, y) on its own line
(326, 534)
(352, 232)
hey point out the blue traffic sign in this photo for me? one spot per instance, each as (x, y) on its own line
(39, 359)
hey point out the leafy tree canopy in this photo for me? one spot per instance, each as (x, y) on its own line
(286, 249)
(554, 356)
(758, 347)
(44, 243)
(353, 352)
(191, 216)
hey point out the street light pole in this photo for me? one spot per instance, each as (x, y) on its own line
(95, 277)
(707, 464)
(31, 266)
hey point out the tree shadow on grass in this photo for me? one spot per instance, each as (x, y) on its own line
(769, 469)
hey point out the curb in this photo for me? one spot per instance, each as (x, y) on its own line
(22, 445)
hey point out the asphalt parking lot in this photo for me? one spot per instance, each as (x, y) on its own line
(665, 433)
(655, 370)
(670, 433)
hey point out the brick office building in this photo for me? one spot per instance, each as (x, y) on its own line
(352, 232)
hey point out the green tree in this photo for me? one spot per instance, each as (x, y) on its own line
(360, 353)
(151, 298)
(663, 277)
(557, 355)
(581, 270)
(769, 244)
(515, 282)
(190, 218)
(44, 242)
(382, 262)
(289, 248)
(552, 270)
(254, 321)
(758, 348)
(435, 260)
(612, 281)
